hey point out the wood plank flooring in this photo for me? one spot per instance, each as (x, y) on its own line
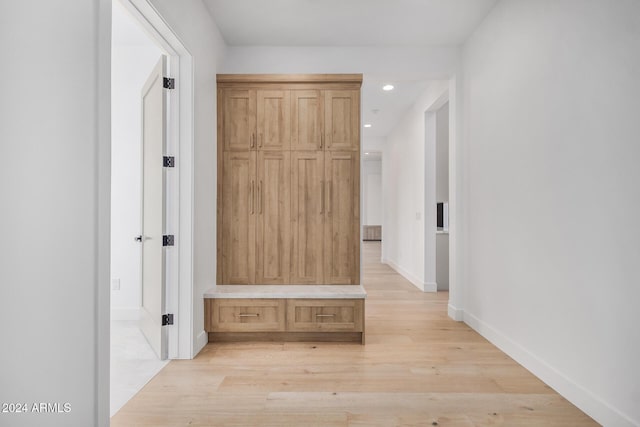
(418, 368)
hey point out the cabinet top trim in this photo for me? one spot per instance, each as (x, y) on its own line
(289, 78)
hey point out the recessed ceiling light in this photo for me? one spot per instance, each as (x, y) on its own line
(387, 87)
(368, 125)
(366, 154)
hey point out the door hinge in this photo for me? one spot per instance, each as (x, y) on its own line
(168, 83)
(168, 161)
(167, 240)
(167, 319)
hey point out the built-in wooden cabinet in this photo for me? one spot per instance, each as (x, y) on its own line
(285, 319)
(342, 119)
(289, 179)
(307, 120)
(274, 119)
(342, 218)
(239, 119)
(239, 212)
(307, 217)
(273, 206)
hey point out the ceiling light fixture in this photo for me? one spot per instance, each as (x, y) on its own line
(387, 87)
(368, 125)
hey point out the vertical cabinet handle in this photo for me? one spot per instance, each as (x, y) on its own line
(251, 197)
(321, 139)
(261, 140)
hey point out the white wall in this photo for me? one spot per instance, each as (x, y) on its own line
(442, 153)
(371, 143)
(402, 62)
(403, 189)
(130, 67)
(372, 191)
(552, 133)
(51, 220)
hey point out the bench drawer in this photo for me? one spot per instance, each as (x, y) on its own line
(246, 315)
(325, 315)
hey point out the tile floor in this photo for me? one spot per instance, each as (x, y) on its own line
(133, 362)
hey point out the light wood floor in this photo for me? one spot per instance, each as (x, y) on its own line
(418, 368)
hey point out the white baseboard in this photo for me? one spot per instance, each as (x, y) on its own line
(125, 313)
(424, 287)
(591, 404)
(201, 341)
(455, 313)
(430, 287)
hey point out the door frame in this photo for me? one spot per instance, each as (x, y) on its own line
(180, 196)
(179, 181)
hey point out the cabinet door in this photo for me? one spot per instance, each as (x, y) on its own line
(239, 217)
(342, 116)
(274, 217)
(307, 126)
(342, 223)
(239, 120)
(274, 119)
(307, 216)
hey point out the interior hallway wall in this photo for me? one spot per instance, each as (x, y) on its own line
(403, 188)
(372, 191)
(55, 249)
(552, 133)
(131, 64)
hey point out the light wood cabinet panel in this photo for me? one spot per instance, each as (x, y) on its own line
(239, 119)
(288, 179)
(342, 119)
(247, 315)
(239, 217)
(307, 217)
(273, 217)
(274, 119)
(307, 120)
(329, 315)
(342, 220)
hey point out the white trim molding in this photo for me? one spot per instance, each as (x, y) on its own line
(455, 313)
(201, 341)
(424, 287)
(588, 402)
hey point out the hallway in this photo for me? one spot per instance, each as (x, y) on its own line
(418, 367)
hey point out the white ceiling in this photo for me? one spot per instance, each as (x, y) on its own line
(391, 105)
(347, 22)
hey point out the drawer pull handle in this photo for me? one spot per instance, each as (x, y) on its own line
(248, 315)
(325, 315)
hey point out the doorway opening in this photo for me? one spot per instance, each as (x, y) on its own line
(151, 198)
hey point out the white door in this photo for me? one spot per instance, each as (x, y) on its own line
(153, 209)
